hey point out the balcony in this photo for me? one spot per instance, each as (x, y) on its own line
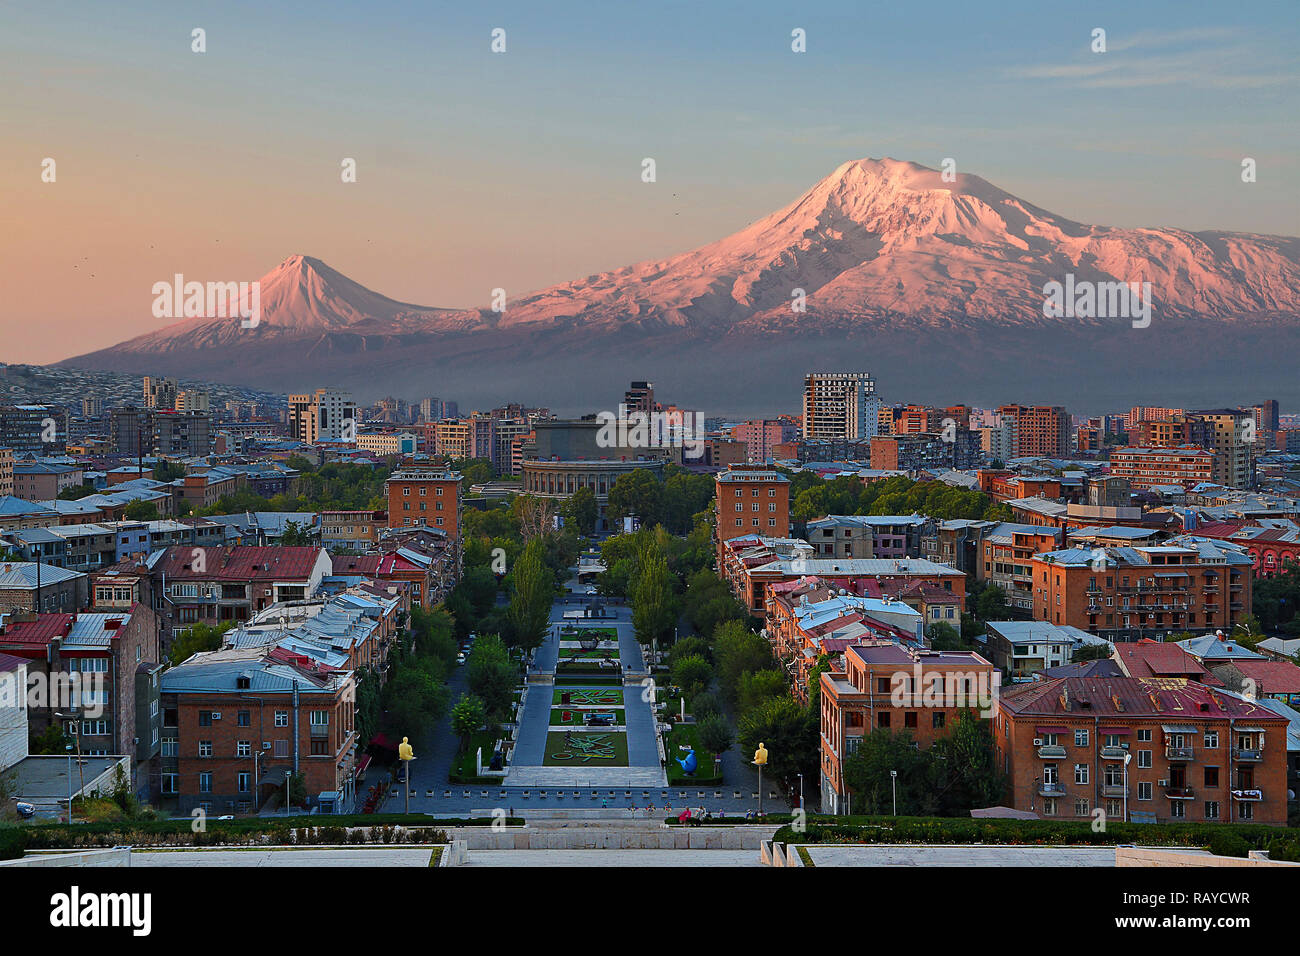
(319, 732)
(1114, 790)
(1249, 796)
(1179, 793)
(1051, 790)
(1180, 753)
(1251, 756)
(1051, 752)
(1114, 753)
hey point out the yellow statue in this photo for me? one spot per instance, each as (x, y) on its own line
(760, 755)
(404, 751)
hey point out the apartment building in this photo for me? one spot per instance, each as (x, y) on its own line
(325, 415)
(1145, 468)
(1126, 594)
(1006, 553)
(217, 584)
(761, 436)
(839, 406)
(1041, 431)
(960, 449)
(351, 530)
(237, 723)
(1233, 437)
(33, 429)
(1154, 750)
(751, 500)
(1023, 649)
(425, 496)
(38, 481)
(6, 472)
(867, 536)
(886, 687)
(96, 666)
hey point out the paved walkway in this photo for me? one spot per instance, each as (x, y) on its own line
(912, 855)
(350, 856)
(608, 858)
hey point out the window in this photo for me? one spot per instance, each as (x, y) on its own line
(909, 719)
(1211, 776)
(170, 747)
(205, 718)
(882, 719)
(245, 782)
(1049, 806)
(1081, 738)
(1081, 773)
(1177, 809)
(1144, 760)
(937, 719)
(282, 718)
(243, 719)
(244, 748)
(1081, 808)
(1144, 736)
(1245, 811)
(1144, 791)
(1211, 809)
(205, 781)
(169, 783)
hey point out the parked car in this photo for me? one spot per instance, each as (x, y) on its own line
(460, 659)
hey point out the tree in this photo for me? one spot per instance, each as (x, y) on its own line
(534, 592)
(708, 602)
(467, 716)
(736, 651)
(756, 687)
(944, 637)
(168, 471)
(638, 493)
(492, 675)
(582, 511)
(140, 510)
(201, 636)
(714, 734)
(534, 516)
(415, 698)
(964, 775)
(790, 734)
(296, 536)
(654, 606)
(868, 775)
(691, 673)
(688, 645)
(815, 682)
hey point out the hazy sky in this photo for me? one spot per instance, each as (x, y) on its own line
(477, 170)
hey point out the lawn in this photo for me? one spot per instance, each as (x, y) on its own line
(585, 749)
(575, 634)
(605, 697)
(577, 653)
(566, 717)
(464, 767)
(684, 734)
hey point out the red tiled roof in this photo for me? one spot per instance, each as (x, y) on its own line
(239, 563)
(1152, 659)
(356, 563)
(1271, 677)
(40, 631)
(1176, 701)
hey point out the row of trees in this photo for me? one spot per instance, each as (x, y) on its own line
(813, 497)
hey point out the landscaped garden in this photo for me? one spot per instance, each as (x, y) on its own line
(684, 735)
(579, 697)
(585, 749)
(572, 717)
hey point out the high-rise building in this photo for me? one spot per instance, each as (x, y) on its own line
(839, 406)
(1233, 437)
(33, 429)
(159, 392)
(1042, 431)
(92, 407)
(640, 397)
(761, 437)
(326, 415)
(192, 400)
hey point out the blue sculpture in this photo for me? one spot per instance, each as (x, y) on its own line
(688, 763)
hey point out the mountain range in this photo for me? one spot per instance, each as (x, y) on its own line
(935, 284)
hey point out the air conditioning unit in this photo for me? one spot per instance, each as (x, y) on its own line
(266, 745)
(216, 715)
(1038, 741)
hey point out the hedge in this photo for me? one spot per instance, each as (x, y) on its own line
(1230, 838)
(387, 828)
(12, 843)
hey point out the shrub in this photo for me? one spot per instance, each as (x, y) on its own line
(1228, 844)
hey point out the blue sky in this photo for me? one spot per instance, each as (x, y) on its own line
(478, 170)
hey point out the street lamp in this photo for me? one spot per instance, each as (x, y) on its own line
(800, 791)
(1127, 758)
(760, 759)
(406, 753)
(893, 779)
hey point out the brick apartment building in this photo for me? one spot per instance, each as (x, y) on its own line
(1006, 553)
(218, 584)
(1197, 755)
(919, 451)
(750, 500)
(236, 723)
(426, 496)
(891, 688)
(1145, 468)
(1126, 594)
(99, 669)
(352, 530)
(1040, 431)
